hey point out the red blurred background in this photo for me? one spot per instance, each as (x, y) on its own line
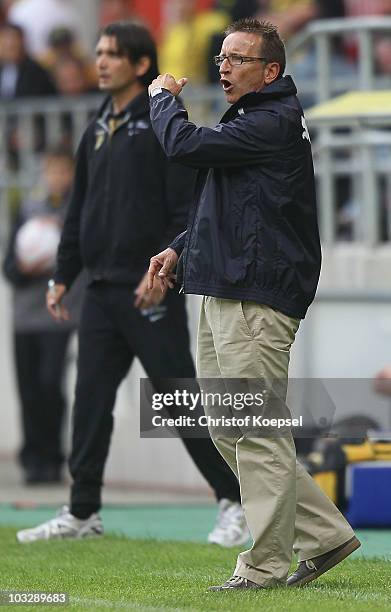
(151, 11)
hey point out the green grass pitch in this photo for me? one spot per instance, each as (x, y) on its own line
(116, 572)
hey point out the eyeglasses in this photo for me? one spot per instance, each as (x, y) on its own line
(236, 60)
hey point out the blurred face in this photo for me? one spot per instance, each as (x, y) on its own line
(115, 72)
(247, 77)
(11, 47)
(58, 172)
(183, 9)
(70, 79)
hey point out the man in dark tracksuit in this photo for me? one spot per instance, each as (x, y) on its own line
(252, 250)
(128, 201)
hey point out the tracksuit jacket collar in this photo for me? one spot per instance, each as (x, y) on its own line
(281, 88)
(138, 107)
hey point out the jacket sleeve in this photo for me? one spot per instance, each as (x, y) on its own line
(178, 244)
(179, 188)
(69, 262)
(240, 142)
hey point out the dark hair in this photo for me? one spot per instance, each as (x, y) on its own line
(14, 27)
(61, 36)
(272, 45)
(135, 41)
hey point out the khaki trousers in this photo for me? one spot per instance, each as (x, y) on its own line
(284, 508)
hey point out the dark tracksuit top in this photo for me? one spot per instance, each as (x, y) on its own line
(128, 200)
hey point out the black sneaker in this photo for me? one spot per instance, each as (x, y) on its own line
(236, 582)
(309, 570)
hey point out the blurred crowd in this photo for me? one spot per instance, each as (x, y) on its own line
(42, 51)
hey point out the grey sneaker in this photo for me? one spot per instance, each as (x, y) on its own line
(64, 525)
(309, 570)
(231, 527)
(236, 582)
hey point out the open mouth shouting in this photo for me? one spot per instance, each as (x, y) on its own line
(226, 85)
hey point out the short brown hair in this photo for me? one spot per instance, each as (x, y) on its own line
(273, 47)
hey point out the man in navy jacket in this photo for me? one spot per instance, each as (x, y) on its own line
(252, 249)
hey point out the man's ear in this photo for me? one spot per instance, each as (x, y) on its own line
(272, 71)
(143, 65)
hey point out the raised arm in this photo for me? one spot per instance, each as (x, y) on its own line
(244, 140)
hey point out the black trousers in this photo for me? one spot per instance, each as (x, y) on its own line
(112, 332)
(40, 365)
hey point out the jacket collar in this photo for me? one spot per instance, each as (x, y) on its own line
(138, 107)
(278, 89)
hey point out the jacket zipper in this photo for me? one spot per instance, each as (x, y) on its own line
(111, 135)
(107, 203)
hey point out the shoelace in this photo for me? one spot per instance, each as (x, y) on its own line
(236, 580)
(310, 565)
(56, 524)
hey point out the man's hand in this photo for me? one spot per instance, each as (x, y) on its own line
(146, 298)
(162, 268)
(54, 297)
(167, 81)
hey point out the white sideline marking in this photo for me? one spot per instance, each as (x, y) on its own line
(126, 605)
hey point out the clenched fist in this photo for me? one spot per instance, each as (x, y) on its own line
(167, 81)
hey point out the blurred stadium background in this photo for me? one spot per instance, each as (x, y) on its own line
(340, 56)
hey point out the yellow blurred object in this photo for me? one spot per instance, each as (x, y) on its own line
(184, 50)
(285, 5)
(353, 105)
(368, 451)
(327, 481)
(355, 453)
(359, 452)
(382, 450)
